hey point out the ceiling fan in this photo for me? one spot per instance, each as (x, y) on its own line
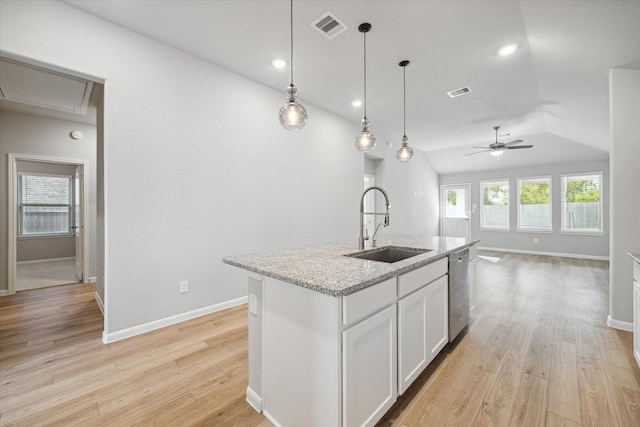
(497, 148)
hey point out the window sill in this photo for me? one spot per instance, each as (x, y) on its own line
(45, 236)
(504, 230)
(534, 230)
(583, 233)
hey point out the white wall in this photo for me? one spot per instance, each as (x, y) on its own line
(43, 136)
(589, 246)
(196, 166)
(624, 101)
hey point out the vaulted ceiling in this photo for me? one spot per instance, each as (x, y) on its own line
(552, 92)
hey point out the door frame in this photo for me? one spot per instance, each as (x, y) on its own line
(12, 211)
(443, 205)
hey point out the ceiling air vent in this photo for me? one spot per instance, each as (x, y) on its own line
(459, 92)
(329, 25)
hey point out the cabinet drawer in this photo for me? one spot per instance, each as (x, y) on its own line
(360, 304)
(415, 279)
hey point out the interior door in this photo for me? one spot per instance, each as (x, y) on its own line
(455, 203)
(78, 225)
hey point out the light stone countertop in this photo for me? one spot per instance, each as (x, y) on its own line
(324, 268)
(636, 257)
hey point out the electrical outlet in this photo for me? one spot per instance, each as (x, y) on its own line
(184, 286)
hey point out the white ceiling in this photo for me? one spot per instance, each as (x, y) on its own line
(552, 92)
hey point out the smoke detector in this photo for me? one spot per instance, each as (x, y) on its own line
(329, 25)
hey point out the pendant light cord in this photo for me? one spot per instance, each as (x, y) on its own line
(404, 102)
(365, 75)
(291, 34)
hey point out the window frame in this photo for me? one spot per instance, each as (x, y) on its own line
(20, 207)
(506, 228)
(583, 231)
(519, 181)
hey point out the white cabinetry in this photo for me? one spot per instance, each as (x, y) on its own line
(369, 368)
(317, 360)
(422, 320)
(636, 311)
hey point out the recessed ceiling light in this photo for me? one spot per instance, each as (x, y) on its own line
(507, 49)
(356, 103)
(279, 63)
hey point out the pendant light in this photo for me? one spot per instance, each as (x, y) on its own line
(292, 115)
(365, 139)
(404, 153)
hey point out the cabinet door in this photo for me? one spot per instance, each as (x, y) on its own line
(422, 330)
(369, 369)
(437, 316)
(412, 337)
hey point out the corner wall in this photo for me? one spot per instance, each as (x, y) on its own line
(624, 102)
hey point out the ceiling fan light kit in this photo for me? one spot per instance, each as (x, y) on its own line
(292, 115)
(365, 139)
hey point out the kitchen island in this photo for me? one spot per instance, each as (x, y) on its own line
(333, 339)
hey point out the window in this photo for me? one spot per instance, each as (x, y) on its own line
(582, 203)
(494, 213)
(45, 204)
(456, 203)
(534, 204)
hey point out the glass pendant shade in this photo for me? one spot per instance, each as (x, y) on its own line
(404, 153)
(365, 139)
(292, 115)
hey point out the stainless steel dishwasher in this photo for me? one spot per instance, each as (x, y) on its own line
(458, 292)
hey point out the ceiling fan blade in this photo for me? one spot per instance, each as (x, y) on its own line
(486, 148)
(518, 147)
(517, 141)
(477, 152)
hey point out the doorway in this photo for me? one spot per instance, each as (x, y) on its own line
(47, 245)
(455, 209)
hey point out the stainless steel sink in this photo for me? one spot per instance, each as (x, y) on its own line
(389, 254)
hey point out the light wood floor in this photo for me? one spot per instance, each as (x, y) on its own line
(537, 352)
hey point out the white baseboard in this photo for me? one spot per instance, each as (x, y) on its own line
(96, 295)
(619, 324)
(35, 261)
(92, 279)
(560, 254)
(4, 292)
(168, 321)
(272, 420)
(254, 399)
